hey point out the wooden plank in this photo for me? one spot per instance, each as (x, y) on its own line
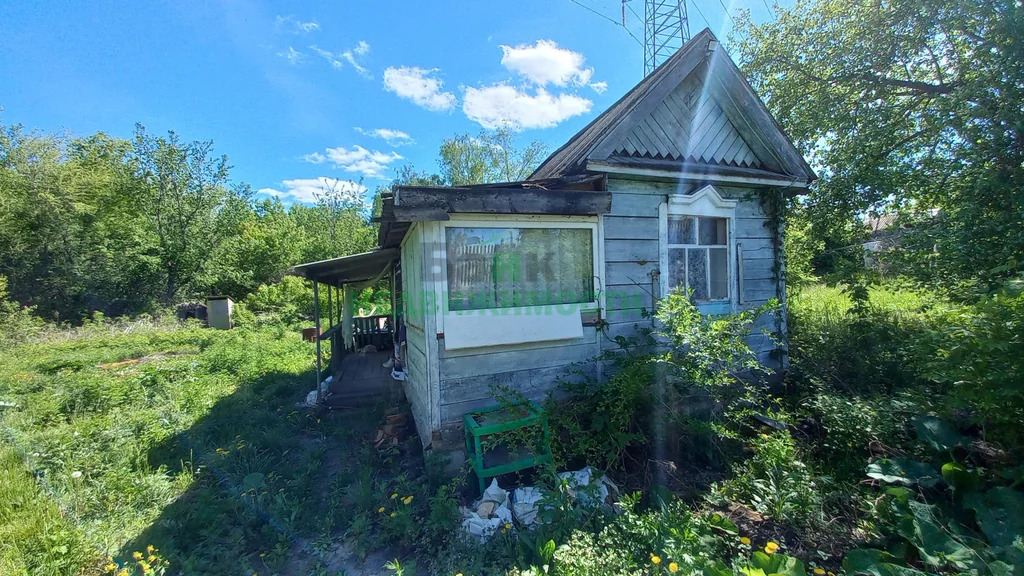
(630, 227)
(510, 361)
(643, 135)
(631, 251)
(706, 133)
(761, 268)
(664, 140)
(628, 297)
(628, 273)
(534, 384)
(749, 228)
(636, 204)
(725, 132)
(503, 200)
(630, 316)
(678, 134)
(729, 138)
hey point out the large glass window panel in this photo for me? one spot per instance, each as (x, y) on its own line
(676, 267)
(682, 230)
(512, 267)
(719, 267)
(713, 231)
(697, 273)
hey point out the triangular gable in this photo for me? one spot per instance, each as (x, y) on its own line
(688, 126)
(655, 120)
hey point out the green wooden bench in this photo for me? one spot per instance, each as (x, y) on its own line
(498, 419)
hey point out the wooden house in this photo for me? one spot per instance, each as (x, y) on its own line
(510, 284)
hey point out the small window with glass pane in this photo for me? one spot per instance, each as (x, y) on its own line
(698, 256)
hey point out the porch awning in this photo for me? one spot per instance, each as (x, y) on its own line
(348, 269)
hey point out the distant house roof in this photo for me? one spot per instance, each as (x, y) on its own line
(695, 111)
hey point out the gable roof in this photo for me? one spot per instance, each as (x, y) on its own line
(697, 110)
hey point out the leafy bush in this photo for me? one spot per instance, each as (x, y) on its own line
(17, 323)
(669, 539)
(599, 421)
(950, 515)
(775, 482)
(982, 355)
(852, 423)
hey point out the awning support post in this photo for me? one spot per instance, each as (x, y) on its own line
(346, 327)
(316, 325)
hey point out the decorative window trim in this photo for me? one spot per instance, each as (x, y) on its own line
(705, 202)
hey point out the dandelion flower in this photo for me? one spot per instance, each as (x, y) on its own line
(771, 547)
(381, 509)
(819, 571)
(407, 499)
(150, 549)
(395, 495)
(110, 567)
(831, 573)
(76, 474)
(137, 555)
(393, 514)
(745, 541)
(655, 558)
(673, 567)
(458, 574)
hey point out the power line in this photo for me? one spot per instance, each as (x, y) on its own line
(727, 12)
(612, 20)
(702, 17)
(770, 12)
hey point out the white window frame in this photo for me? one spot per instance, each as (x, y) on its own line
(516, 324)
(708, 203)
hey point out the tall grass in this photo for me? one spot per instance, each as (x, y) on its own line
(128, 435)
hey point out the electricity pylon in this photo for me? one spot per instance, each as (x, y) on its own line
(666, 29)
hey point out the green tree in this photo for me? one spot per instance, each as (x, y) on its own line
(906, 105)
(185, 185)
(491, 156)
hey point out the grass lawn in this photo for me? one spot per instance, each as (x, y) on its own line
(184, 439)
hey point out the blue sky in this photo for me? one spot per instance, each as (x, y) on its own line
(295, 92)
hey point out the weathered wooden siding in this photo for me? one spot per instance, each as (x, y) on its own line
(631, 248)
(689, 125)
(416, 384)
(467, 376)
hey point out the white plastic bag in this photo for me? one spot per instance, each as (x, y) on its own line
(525, 502)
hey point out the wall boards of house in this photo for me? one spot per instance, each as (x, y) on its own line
(631, 249)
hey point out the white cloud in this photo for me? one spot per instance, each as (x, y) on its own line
(315, 158)
(307, 189)
(545, 63)
(337, 60)
(292, 55)
(416, 84)
(392, 137)
(369, 163)
(504, 105)
(599, 87)
(329, 56)
(291, 24)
